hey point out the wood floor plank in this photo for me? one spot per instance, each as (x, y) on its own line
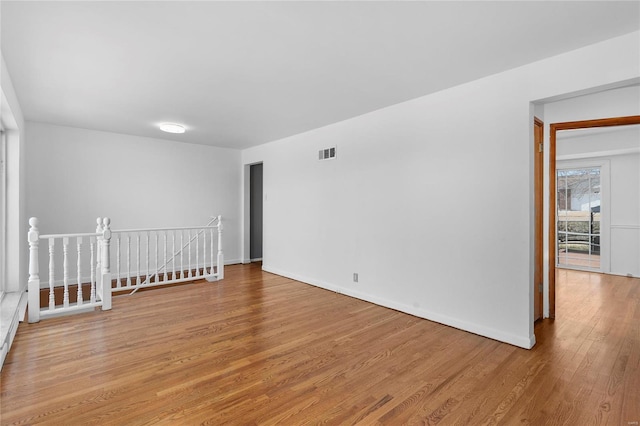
(260, 349)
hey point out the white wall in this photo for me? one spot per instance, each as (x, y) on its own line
(625, 215)
(75, 175)
(13, 121)
(619, 148)
(617, 102)
(598, 141)
(13, 304)
(394, 206)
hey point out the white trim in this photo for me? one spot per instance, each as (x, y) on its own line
(625, 226)
(60, 311)
(526, 343)
(246, 206)
(622, 274)
(141, 230)
(579, 268)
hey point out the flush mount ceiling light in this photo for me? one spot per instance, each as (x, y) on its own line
(172, 128)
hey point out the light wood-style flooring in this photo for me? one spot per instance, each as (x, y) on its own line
(258, 348)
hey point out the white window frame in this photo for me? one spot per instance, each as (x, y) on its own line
(3, 211)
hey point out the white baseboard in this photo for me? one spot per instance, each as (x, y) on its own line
(526, 343)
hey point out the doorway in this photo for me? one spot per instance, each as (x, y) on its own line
(554, 190)
(255, 212)
(538, 213)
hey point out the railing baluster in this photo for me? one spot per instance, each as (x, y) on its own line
(173, 257)
(165, 256)
(147, 277)
(128, 260)
(189, 239)
(204, 252)
(92, 296)
(211, 264)
(137, 258)
(182, 254)
(197, 253)
(79, 296)
(118, 282)
(220, 271)
(157, 278)
(52, 298)
(65, 270)
(99, 229)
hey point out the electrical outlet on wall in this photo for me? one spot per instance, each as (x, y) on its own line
(355, 277)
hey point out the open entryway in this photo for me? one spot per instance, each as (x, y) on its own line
(255, 212)
(594, 198)
(253, 200)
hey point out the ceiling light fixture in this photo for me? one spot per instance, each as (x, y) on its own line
(172, 128)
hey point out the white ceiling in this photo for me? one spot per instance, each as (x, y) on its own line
(239, 74)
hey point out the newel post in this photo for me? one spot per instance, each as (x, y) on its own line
(34, 279)
(99, 230)
(220, 253)
(105, 264)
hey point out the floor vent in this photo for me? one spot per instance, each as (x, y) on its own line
(327, 153)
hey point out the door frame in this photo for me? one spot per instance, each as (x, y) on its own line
(553, 129)
(538, 144)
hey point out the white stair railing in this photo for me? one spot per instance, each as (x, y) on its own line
(180, 253)
(148, 257)
(140, 259)
(99, 261)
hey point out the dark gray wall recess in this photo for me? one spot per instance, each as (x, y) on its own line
(255, 212)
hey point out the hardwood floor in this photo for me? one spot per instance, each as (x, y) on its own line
(257, 348)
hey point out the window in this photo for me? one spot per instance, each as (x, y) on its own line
(579, 218)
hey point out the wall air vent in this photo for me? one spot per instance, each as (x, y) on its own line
(327, 153)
